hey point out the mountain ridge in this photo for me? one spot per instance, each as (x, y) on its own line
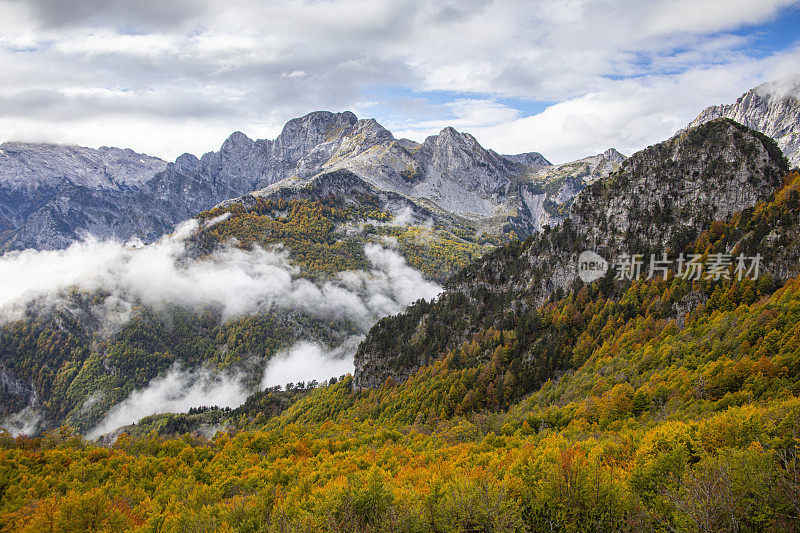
(773, 108)
(449, 172)
(659, 200)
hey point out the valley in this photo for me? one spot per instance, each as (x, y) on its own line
(352, 332)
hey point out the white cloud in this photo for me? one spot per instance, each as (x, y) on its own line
(176, 392)
(233, 280)
(626, 114)
(25, 422)
(165, 78)
(691, 16)
(181, 389)
(307, 361)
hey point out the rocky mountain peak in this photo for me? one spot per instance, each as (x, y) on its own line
(186, 163)
(772, 108)
(451, 147)
(371, 129)
(533, 159)
(317, 123)
(613, 155)
(236, 143)
(301, 135)
(704, 173)
(457, 158)
(450, 137)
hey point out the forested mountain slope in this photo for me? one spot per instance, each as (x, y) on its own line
(343, 260)
(658, 202)
(599, 410)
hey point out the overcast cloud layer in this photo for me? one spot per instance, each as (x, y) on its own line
(564, 77)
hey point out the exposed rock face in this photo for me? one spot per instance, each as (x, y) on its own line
(702, 174)
(35, 175)
(346, 187)
(548, 193)
(451, 172)
(588, 170)
(533, 159)
(772, 108)
(658, 200)
(52, 195)
(49, 165)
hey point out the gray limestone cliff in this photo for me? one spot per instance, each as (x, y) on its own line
(773, 108)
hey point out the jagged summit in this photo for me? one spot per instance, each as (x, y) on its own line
(613, 155)
(317, 121)
(773, 108)
(31, 164)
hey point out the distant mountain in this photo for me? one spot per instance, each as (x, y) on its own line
(451, 174)
(36, 165)
(549, 190)
(52, 195)
(773, 108)
(34, 176)
(534, 159)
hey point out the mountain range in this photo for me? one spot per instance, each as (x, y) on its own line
(53, 195)
(661, 394)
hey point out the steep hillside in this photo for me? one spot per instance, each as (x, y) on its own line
(636, 421)
(659, 201)
(434, 242)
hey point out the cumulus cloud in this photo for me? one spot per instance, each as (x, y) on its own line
(624, 114)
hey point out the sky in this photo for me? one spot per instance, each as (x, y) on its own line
(567, 78)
